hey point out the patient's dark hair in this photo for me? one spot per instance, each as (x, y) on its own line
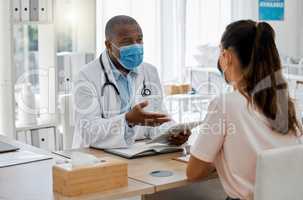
(118, 21)
(262, 84)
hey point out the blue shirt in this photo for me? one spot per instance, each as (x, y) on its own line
(125, 85)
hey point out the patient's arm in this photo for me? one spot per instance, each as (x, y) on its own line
(198, 169)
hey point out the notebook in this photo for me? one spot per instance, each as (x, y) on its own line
(5, 147)
(141, 149)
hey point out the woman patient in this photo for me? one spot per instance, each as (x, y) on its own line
(256, 116)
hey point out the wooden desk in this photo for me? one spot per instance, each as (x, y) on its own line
(140, 168)
(33, 181)
(134, 188)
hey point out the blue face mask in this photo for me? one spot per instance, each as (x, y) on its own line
(131, 56)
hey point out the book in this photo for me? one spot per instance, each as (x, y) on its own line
(162, 137)
(140, 149)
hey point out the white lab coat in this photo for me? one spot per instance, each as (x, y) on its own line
(108, 132)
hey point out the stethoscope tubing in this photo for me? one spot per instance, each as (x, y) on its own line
(144, 92)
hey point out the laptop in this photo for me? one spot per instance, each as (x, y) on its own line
(5, 147)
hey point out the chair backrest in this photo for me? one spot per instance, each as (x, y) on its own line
(280, 174)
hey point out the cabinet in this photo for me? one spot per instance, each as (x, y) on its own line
(44, 136)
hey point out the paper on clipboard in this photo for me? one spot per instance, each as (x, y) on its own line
(176, 128)
(184, 159)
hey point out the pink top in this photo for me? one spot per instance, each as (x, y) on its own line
(231, 138)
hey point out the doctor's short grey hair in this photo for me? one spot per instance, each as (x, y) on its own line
(118, 21)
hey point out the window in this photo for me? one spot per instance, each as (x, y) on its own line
(37, 50)
(26, 60)
(26, 49)
(173, 29)
(75, 39)
(205, 23)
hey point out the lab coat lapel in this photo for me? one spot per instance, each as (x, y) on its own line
(139, 81)
(111, 100)
(138, 84)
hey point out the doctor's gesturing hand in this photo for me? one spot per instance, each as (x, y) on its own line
(137, 116)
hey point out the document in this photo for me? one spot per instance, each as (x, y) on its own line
(183, 159)
(162, 137)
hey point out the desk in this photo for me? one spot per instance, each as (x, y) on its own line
(134, 188)
(140, 168)
(33, 181)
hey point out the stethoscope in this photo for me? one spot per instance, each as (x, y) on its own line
(144, 92)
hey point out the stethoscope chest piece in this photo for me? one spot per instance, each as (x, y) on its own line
(145, 91)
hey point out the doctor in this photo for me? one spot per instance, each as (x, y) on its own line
(112, 92)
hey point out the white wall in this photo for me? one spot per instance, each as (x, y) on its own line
(87, 26)
(289, 33)
(148, 15)
(6, 93)
(301, 26)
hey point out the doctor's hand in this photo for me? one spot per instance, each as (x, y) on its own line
(137, 116)
(179, 138)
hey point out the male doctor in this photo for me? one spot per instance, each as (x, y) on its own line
(108, 113)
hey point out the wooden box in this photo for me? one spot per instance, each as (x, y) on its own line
(184, 88)
(177, 89)
(109, 174)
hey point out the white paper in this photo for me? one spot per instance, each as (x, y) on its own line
(174, 129)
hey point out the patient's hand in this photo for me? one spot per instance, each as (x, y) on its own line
(179, 138)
